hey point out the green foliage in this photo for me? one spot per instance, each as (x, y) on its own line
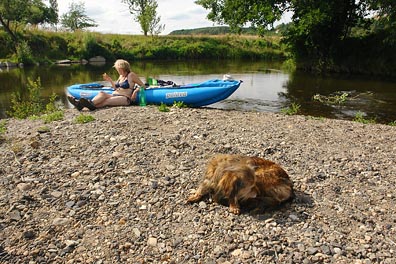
(219, 30)
(393, 123)
(163, 108)
(5, 44)
(52, 12)
(293, 109)
(53, 116)
(179, 104)
(337, 98)
(237, 13)
(46, 45)
(17, 13)
(3, 130)
(3, 127)
(318, 35)
(115, 46)
(359, 117)
(145, 12)
(148, 19)
(31, 105)
(91, 48)
(24, 53)
(76, 19)
(289, 65)
(51, 106)
(82, 119)
(43, 129)
(34, 117)
(59, 45)
(23, 107)
(52, 111)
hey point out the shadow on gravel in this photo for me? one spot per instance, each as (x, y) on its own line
(292, 210)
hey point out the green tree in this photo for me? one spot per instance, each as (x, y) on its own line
(52, 12)
(16, 13)
(385, 19)
(76, 19)
(152, 20)
(39, 13)
(145, 12)
(319, 27)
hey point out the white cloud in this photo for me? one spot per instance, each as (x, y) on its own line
(112, 16)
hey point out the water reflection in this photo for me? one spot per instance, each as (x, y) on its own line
(260, 91)
(264, 87)
(376, 99)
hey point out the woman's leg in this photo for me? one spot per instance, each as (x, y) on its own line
(113, 101)
(100, 98)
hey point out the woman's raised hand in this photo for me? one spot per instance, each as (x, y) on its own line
(106, 77)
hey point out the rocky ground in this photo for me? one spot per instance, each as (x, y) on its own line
(114, 190)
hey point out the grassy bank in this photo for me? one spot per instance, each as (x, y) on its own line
(42, 46)
(368, 55)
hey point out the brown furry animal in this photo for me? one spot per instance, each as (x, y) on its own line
(237, 179)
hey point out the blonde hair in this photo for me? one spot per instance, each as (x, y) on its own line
(122, 64)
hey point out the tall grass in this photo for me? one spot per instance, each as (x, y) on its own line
(84, 45)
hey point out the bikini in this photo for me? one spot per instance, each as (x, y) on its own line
(124, 85)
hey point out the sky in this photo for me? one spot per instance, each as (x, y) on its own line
(112, 16)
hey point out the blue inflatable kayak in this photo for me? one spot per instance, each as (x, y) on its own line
(194, 95)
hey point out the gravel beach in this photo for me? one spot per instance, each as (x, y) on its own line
(114, 190)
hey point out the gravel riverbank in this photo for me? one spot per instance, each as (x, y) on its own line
(114, 190)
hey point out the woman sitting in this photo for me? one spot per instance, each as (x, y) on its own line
(124, 90)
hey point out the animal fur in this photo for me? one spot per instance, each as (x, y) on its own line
(236, 180)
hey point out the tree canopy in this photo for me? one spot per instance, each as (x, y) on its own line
(145, 12)
(15, 13)
(76, 18)
(319, 27)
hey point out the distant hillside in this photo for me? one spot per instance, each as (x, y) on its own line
(221, 30)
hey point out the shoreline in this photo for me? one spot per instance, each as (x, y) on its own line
(114, 190)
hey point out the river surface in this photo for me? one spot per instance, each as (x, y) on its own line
(265, 86)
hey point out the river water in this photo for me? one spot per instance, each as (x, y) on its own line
(265, 86)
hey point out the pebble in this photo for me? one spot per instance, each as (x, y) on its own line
(136, 232)
(202, 205)
(114, 190)
(60, 221)
(24, 186)
(15, 215)
(56, 194)
(152, 242)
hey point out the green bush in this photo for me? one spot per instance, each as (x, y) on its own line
(359, 117)
(31, 105)
(5, 45)
(82, 119)
(3, 127)
(51, 106)
(179, 104)
(163, 108)
(293, 109)
(92, 48)
(46, 46)
(23, 107)
(24, 53)
(53, 116)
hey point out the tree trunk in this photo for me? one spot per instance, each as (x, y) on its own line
(8, 30)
